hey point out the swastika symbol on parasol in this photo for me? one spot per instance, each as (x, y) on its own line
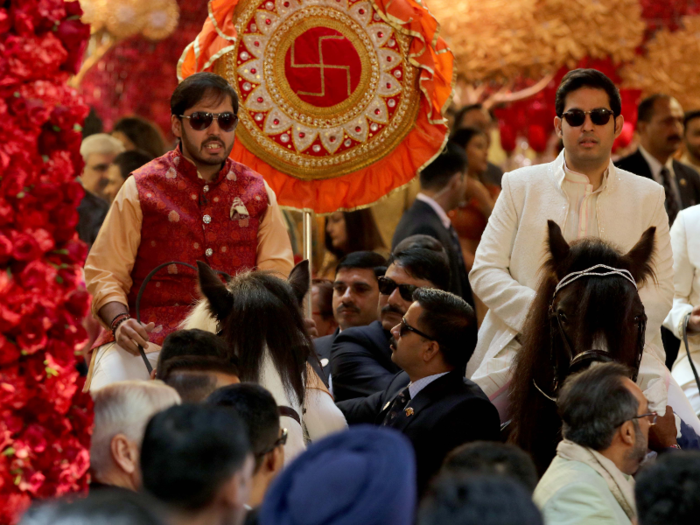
(322, 67)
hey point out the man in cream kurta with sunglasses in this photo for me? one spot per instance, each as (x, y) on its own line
(586, 196)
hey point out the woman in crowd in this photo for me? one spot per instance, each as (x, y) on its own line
(347, 232)
(470, 218)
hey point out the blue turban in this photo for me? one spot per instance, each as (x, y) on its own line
(362, 476)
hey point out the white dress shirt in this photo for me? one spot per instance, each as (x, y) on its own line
(415, 387)
(444, 219)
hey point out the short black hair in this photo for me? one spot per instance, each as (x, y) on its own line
(451, 321)
(422, 263)
(189, 451)
(490, 457)
(450, 161)
(421, 240)
(198, 87)
(258, 409)
(463, 136)
(645, 109)
(690, 115)
(590, 78)
(594, 403)
(365, 260)
(193, 387)
(190, 343)
(668, 490)
(130, 161)
(108, 506)
(478, 500)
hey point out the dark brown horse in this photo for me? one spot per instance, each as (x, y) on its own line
(587, 309)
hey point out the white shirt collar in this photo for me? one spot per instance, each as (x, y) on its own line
(446, 222)
(415, 388)
(654, 165)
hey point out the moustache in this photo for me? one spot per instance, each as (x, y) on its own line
(348, 308)
(390, 308)
(392, 343)
(674, 138)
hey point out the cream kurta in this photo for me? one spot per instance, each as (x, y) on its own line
(512, 250)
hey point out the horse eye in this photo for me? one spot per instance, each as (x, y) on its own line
(562, 316)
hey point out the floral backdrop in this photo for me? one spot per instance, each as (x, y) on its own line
(45, 421)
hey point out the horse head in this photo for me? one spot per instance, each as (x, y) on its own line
(257, 311)
(587, 308)
(595, 311)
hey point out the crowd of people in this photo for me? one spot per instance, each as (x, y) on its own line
(219, 401)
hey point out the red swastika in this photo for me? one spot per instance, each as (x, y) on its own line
(322, 67)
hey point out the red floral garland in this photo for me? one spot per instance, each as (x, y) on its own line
(45, 421)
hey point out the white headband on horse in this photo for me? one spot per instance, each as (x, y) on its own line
(594, 271)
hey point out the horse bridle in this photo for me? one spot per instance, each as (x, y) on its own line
(283, 410)
(599, 270)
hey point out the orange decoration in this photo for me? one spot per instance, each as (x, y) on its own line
(341, 102)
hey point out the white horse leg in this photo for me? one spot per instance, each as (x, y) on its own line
(322, 417)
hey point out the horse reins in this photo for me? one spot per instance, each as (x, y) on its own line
(687, 349)
(599, 270)
(140, 294)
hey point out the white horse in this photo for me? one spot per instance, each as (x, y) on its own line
(274, 349)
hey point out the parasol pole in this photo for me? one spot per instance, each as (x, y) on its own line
(307, 239)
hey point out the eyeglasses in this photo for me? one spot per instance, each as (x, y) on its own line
(405, 327)
(282, 441)
(599, 116)
(200, 120)
(651, 415)
(387, 287)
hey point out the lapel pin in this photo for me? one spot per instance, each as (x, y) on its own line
(409, 411)
(683, 182)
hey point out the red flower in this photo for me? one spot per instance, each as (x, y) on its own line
(74, 35)
(5, 249)
(25, 248)
(37, 274)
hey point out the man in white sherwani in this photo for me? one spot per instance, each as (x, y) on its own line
(587, 196)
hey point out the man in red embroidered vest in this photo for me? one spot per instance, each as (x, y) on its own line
(193, 203)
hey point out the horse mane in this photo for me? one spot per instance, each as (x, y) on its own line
(269, 309)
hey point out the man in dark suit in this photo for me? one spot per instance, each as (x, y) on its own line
(354, 301)
(443, 184)
(361, 361)
(660, 126)
(439, 409)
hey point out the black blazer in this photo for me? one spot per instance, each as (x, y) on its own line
(420, 218)
(361, 361)
(449, 412)
(323, 351)
(92, 211)
(687, 178)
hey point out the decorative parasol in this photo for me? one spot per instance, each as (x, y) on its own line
(341, 100)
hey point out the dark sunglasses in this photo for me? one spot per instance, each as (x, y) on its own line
(282, 441)
(576, 117)
(200, 120)
(387, 287)
(405, 327)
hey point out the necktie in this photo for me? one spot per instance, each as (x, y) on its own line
(671, 203)
(457, 247)
(397, 405)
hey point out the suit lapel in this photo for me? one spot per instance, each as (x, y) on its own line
(434, 392)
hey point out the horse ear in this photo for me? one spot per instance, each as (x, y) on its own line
(558, 246)
(220, 299)
(300, 280)
(639, 257)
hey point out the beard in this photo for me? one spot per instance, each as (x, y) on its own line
(639, 452)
